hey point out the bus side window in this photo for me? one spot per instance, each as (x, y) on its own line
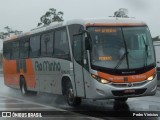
(47, 44)
(15, 50)
(24, 48)
(7, 50)
(77, 48)
(61, 45)
(35, 46)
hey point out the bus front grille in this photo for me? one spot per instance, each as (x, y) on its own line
(135, 84)
(123, 93)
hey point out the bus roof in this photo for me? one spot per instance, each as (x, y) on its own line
(86, 22)
(109, 21)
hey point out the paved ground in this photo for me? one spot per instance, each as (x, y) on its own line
(12, 100)
(18, 108)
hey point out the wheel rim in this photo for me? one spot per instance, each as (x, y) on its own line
(23, 89)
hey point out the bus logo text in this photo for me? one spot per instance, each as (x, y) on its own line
(47, 66)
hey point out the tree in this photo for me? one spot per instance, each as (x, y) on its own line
(3, 35)
(122, 12)
(51, 16)
(8, 29)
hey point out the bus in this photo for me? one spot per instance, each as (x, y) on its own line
(94, 59)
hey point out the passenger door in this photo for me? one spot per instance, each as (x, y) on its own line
(78, 63)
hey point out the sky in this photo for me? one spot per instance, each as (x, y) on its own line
(24, 15)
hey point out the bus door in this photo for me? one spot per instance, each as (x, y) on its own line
(78, 64)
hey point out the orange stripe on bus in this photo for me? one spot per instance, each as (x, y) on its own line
(130, 78)
(30, 75)
(12, 76)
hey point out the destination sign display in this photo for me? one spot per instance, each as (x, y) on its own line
(105, 30)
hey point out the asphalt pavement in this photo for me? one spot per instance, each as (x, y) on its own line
(12, 100)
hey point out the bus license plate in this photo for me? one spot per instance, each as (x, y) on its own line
(129, 91)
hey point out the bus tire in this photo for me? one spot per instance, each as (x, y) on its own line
(71, 99)
(121, 99)
(23, 86)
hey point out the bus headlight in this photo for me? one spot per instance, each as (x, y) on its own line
(104, 81)
(101, 80)
(151, 77)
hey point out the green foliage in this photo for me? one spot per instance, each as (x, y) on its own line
(8, 32)
(51, 16)
(122, 12)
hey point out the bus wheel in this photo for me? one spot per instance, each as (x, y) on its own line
(71, 99)
(121, 99)
(23, 86)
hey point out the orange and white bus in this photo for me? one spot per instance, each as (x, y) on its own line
(83, 59)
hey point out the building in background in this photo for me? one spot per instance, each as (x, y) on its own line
(156, 42)
(1, 52)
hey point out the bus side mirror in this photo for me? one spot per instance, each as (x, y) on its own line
(87, 44)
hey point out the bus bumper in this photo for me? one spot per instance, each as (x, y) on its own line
(111, 91)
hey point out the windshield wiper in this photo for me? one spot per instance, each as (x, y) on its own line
(125, 54)
(146, 52)
(121, 60)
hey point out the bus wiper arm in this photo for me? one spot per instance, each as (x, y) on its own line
(121, 60)
(146, 51)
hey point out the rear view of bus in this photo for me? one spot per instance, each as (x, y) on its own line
(121, 60)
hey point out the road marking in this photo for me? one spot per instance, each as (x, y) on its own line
(132, 99)
(41, 108)
(30, 102)
(14, 103)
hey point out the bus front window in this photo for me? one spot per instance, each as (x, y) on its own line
(121, 47)
(139, 45)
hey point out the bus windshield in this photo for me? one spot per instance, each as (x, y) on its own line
(121, 47)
